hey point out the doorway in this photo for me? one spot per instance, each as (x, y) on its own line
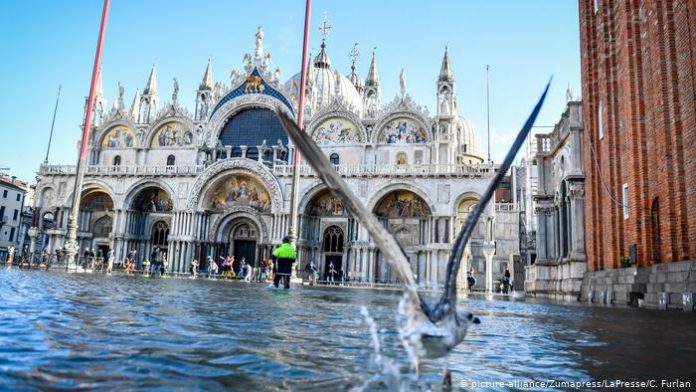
(243, 240)
(244, 249)
(337, 261)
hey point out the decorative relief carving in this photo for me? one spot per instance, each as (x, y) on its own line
(336, 131)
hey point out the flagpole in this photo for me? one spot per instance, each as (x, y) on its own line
(488, 116)
(71, 246)
(292, 232)
(53, 123)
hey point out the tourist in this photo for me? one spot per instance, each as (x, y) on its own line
(110, 262)
(311, 271)
(247, 271)
(146, 267)
(44, 257)
(164, 265)
(194, 267)
(241, 274)
(263, 271)
(285, 255)
(10, 256)
(332, 273)
(212, 266)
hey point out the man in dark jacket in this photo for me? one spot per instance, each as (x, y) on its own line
(285, 255)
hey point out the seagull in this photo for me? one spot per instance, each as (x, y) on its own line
(431, 330)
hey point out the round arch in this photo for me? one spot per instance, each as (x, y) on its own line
(403, 186)
(141, 185)
(222, 168)
(464, 196)
(389, 119)
(227, 223)
(340, 115)
(119, 134)
(309, 194)
(235, 105)
(92, 185)
(187, 126)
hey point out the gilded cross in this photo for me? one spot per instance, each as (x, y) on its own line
(324, 28)
(354, 55)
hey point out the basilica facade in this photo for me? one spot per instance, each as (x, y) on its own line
(217, 180)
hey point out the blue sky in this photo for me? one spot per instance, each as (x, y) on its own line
(47, 43)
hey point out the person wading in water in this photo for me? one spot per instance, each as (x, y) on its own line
(285, 256)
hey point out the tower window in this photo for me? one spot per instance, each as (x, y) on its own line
(117, 160)
(335, 159)
(170, 160)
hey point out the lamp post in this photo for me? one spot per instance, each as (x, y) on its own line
(71, 246)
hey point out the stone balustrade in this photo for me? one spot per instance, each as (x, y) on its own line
(360, 170)
(506, 207)
(357, 170)
(110, 170)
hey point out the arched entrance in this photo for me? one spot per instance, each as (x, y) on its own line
(95, 223)
(148, 218)
(406, 215)
(243, 238)
(332, 246)
(464, 207)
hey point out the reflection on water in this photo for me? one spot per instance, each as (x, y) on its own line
(120, 332)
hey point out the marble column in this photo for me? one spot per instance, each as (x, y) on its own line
(488, 251)
(577, 212)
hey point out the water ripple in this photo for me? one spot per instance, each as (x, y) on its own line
(88, 332)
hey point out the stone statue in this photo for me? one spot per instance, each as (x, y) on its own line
(121, 91)
(266, 60)
(569, 94)
(276, 74)
(217, 91)
(247, 63)
(234, 75)
(402, 81)
(175, 95)
(259, 43)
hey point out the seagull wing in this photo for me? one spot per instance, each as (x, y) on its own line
(449, 297)
(325, 170)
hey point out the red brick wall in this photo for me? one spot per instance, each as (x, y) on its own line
(639, 61)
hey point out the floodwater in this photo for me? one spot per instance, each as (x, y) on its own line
(70, 331)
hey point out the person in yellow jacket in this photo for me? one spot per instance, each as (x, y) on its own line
(285, 255)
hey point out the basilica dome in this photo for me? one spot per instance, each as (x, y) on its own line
(467, 137)
(325, 84)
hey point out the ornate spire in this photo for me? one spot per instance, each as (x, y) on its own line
(151, 86)
(99, 91)
(372, 77)
(309, 78)
(207, 82)
(446, 69)
(322, 60)
(354, 55)
(135, 106)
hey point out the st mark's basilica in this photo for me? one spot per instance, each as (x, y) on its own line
(217, 180)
